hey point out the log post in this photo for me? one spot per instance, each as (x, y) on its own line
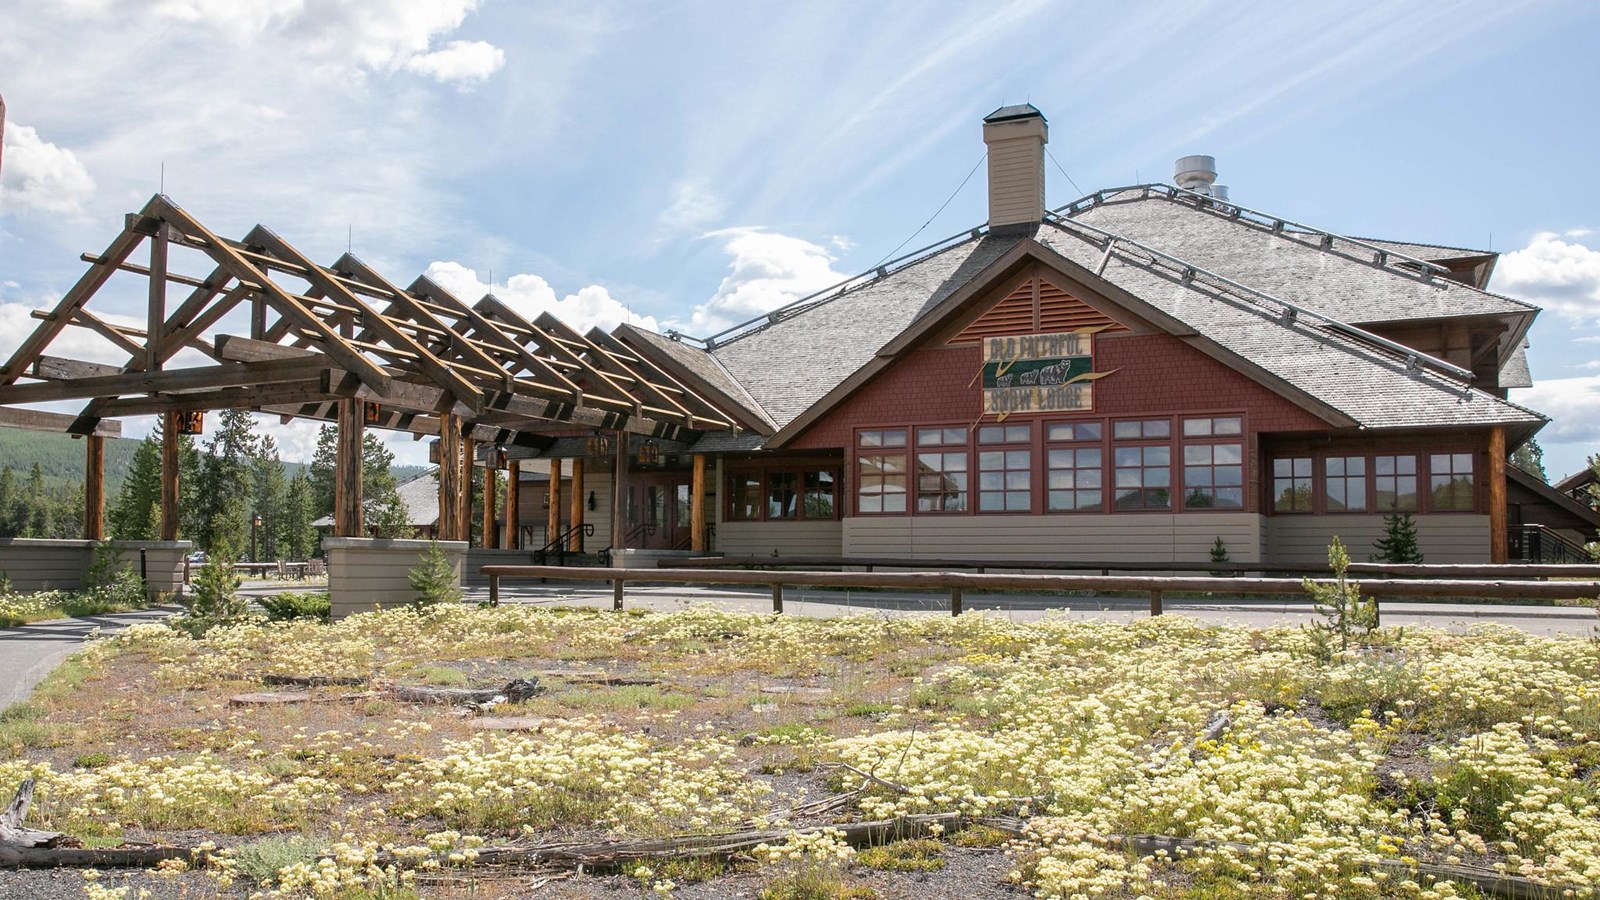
(955, 601)
(169, 476)
(616, 594)
(697, 505)
(347, 470)
(619, 493)
(1499, 537)
(575, 520)
(777, 598)
(1155, 603)
(94, 488)
(449, 474)
(491, 491)
(157, 321)
(514, 505)
(463, 496)
(552, 525)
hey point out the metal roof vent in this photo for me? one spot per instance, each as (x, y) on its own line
(1219, 192)
(1195, 173)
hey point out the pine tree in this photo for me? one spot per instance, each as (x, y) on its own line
(1345, 612)
(382, 509)
(296, 535)
(266, 473)
(214, 597)
(1530, 458)
(128, 519)
(38, 520)
(1399, 541)
(8, 496)
(434, 579)
(321, 471)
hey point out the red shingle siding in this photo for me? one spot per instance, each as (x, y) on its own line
(1156, 374)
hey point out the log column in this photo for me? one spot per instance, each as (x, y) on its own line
(463, 496)
(576, 518)
(619, 492)
(169, 476)
(94, 488)
(697, 505)
(491, 490)
(449, 475)
(347, 470)
(552, 525)
(1499, 551)
(514, 505)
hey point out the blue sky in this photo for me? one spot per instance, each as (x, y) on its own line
(692, 164)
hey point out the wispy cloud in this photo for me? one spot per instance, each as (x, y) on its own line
(766, 270)
(531, 295)
(40, 176)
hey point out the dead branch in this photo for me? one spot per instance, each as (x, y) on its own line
(13, 834)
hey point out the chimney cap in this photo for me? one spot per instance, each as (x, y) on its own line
(1009, 113)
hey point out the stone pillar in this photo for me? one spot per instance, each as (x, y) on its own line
(364, 573)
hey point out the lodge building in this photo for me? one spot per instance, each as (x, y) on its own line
(1127, 378)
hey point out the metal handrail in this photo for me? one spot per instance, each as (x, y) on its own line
(1110, 239)
(1278, 224)
(559, 544)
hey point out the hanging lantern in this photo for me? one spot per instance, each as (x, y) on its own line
(598, 446)
(497, 458)
(649, 453)
(191, 422)
(371, 412)
(433, 452)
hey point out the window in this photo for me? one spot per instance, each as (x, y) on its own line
(1221, 426)
(941, 473)
(1291, 484)
(1395, 482)
(1005, 476)
(1075, 479)
(1143, 477)
(745, 491)
(1073, 431)
(781, 492)
(1344, 481)
(1146, 429)
(1450, 481)
(819, 487)
(881, 471)
(781, 495)
(1213, 475)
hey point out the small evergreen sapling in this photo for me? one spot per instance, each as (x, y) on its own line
(434, 579)
(1399, 541)
(1219, 554)
(215, 599)
(1345, 612)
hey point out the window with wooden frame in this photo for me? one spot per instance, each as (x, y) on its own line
(1141, 474)
(1291, 484)
(785, 492)
(1344, 483)
(1005, 468)
(881, 471)
(1213, 463)
(1450, 482)
(1074, 467)
(1394, 479)
(942, 469)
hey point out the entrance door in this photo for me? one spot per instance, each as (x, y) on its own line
(660, 511)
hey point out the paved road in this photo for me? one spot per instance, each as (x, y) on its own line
(29, 652)
(1252, 611)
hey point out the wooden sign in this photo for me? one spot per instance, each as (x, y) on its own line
(191, 422)
(1033, 373)
(433, 452)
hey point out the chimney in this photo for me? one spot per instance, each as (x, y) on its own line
(1016, 137)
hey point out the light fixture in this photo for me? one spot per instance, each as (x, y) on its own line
(371, 412)
(598, 446)
(591, 501)
(191, 422)
(649, 453)
(433, 452)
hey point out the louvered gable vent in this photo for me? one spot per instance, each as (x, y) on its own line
(1036, 306)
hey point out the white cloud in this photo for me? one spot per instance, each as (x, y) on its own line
(1573, 405)
(17, 323)
(459, 62)
(41, 176)
(768, 270)
(1561, 276)
(694, 206)
(530, 295)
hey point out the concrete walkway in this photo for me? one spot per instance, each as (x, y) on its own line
(29, 652)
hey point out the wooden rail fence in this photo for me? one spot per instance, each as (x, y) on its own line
(955, 583)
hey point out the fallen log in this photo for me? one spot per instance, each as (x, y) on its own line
(314, 680)
(13, 833)
(514, 692)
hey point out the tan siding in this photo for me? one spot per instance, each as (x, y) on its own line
(1441, 538)
(1114, 538)
(788, 538)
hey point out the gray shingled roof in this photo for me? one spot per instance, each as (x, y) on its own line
(1431, 252)
(1292, 266)
(1515, 373)
(1369, 385)
(705, 366)
(788, 366)
(420, 494)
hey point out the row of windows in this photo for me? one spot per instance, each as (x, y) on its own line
(782, 493)
(1384, 482)
(951, 469)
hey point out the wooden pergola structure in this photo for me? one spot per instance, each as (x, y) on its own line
(337, 343)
